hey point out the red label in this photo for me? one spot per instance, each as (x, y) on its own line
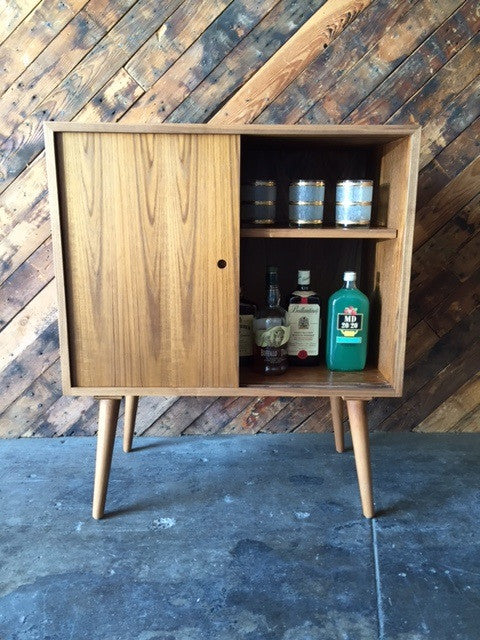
(302, 354)
(303, 300)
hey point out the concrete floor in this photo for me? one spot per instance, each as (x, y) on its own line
(238, 538)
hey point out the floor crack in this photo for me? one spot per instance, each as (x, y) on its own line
(378, 583)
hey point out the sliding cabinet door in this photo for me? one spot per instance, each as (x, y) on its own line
(150, 227)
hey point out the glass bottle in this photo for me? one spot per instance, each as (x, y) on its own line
(305, 324)
(347, 327)
(271, 331)
(247, 312)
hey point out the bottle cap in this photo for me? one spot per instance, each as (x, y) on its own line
(304, 277)
(349, 276)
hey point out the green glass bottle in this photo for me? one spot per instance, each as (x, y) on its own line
(347, 327)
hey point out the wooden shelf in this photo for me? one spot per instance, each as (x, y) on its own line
(317, 380)
(378, 233)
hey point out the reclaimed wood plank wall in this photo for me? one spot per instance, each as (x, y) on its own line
(274, 61)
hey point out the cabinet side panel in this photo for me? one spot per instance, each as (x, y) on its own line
(398, 185)
(145, 219)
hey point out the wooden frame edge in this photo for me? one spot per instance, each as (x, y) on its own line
(396, 131)
(58, 258)
(415, 141)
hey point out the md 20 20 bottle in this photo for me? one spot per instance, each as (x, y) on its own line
(347, 327)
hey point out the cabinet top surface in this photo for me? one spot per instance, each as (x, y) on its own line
(379, 133)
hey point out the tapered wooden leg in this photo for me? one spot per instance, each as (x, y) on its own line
(107, 426)
(131, 404)
(336, 406)
(359, 431)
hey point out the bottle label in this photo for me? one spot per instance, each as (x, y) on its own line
(273, 356)
(349, 325)
(245, 346)
(273, 337)
(304, 321)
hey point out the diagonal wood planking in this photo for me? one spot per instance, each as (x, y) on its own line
(358, 61)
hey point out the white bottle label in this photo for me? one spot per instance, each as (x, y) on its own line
(304, 321)
(245, 345)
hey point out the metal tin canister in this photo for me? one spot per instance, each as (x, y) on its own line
(258, 202)
(306, 202)
(353, 203)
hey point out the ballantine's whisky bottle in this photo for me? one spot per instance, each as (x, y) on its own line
(347, 327)
(303, 316)
(271, 331)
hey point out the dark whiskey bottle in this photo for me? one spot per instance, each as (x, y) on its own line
(245, 340)
(303, 316)
(271, 331)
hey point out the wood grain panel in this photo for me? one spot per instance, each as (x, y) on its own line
(144, 220)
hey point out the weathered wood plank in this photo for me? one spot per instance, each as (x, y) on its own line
(388, 53)
(30, 38)
(150, 409)
(470, 422)
(455, 195)
(23, 240)
(198, 61)
(217, 416)
(179, 417)
(442, 247)
(23, 195)
(461, 111)
(47, 70)
(173, 38)
(244, 60)
(288, 61)
(459, 303)
(461, 151)
(428, 397)
(415, 72)
(458, 346)
(27, 326)
(18, 419)
(293, 415)
(112, 101)
(467, 260)
(24, 284)
(450, 413)
(255, 416)
(28, 365)
(320, 421)
(66, 416)
(420, 339)
(448, 163)
(12, 12)
(83, 82)
(329, 65)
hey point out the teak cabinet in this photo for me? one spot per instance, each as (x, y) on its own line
(150, 253)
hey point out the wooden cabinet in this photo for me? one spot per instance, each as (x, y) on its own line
(149, 254)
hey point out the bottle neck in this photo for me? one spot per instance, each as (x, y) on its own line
(303, 287)
(273, 295)
(349, 284)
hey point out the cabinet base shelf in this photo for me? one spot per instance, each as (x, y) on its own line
(297, 381)
(317, 381)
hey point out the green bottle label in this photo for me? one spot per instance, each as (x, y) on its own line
(349, 325)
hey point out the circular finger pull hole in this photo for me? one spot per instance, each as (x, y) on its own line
(221, 264)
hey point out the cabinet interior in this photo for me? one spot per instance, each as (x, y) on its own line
(375, 260)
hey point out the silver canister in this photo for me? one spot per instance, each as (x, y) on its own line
(305, 208)
(258, 202)
(353, 203)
